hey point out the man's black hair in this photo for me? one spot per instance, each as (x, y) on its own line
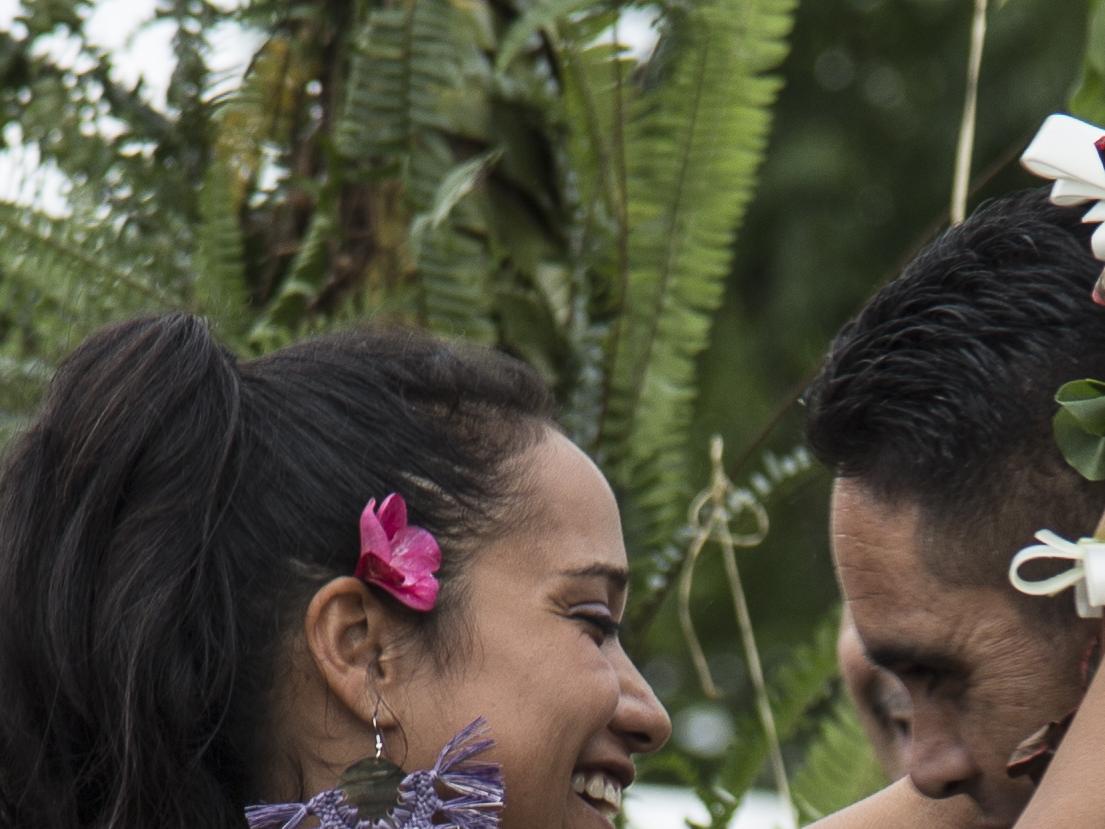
(940, 393)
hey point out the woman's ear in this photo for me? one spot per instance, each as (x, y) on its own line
(353, 639)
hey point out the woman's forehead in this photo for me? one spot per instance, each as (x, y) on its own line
(572, 518)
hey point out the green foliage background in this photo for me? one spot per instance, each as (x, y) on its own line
(673, 261)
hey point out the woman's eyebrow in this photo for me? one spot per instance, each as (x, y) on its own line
(617, 576)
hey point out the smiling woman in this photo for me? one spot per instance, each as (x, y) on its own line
(189, 625)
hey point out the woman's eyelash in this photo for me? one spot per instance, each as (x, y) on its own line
(607, 626)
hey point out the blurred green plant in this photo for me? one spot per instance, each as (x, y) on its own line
(1088, 100)
(503, 170)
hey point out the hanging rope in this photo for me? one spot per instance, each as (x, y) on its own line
(965, 146)
(711, 515)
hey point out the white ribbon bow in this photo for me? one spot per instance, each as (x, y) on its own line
(1087, 576)
(1064, 150)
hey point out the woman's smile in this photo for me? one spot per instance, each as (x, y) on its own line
(546, 667)
(600, 791)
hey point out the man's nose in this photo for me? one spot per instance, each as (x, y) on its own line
(940, 764)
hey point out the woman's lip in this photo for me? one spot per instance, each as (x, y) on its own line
(609, 818)
(623, 771)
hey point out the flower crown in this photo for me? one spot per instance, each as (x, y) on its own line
(397, 557)
(1072, 152)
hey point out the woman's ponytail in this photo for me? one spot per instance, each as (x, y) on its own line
(117, 633)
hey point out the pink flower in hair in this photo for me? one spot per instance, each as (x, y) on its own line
(399, 558)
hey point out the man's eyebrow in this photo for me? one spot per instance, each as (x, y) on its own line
(617, 576)
(894, 657)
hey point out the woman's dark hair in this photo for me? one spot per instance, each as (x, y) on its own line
(166, 518)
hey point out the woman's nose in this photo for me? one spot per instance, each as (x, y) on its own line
(639, 719)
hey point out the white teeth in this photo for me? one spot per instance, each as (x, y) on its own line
(613, 794)
(600, 788)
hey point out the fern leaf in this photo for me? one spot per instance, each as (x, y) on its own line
(375, 120)
(840, 766)
(289, 311)
(593, 104)
(455, 186)
(220, 288)
(453, 276)
(536, 17)
(407, 63)
(22, 381)
(694, 145)
(403, 62)
(78, 274)
(802, 682)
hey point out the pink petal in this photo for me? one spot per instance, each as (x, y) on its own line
(422, 595)
(415, 551)
(374, 538)
(397, 558)
(393, 514)
(371, 568)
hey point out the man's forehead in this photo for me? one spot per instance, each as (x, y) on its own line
(876, 546)
(895, 622)
(903, 611)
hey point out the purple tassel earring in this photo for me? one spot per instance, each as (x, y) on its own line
(372, 784)
(457, 793)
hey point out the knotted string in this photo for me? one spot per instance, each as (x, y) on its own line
(710, 516)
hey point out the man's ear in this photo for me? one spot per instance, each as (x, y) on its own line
(352, 638)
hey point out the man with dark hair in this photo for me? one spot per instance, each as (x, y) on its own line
(933, 411)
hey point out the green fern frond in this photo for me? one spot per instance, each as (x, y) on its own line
(433, 71)
(22, 381)
(840, 766)
(458, 183)
(450, 251)
(802, 682)
(375, 119)
(453, 272)
(694, 145)
(78, 274)
(800, 685)
(61, 279)
(220, 287)
(406, 64)
(539, 16)
(289, 312)
(593, 101)
(262, 111)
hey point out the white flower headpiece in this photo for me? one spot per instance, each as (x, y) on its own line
(1072, 152)
(1086, 576)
